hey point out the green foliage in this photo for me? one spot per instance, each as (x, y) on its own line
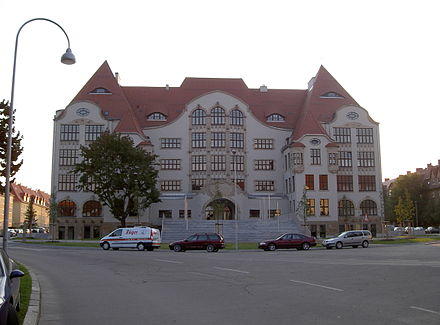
(30, 214)
(404, 209)
(123, 176)
(53, 210)
(17, 149)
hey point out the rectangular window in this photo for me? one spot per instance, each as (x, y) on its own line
(332, 158)
(364, 135)
(310, 207)
(170, 143)
(298, 158)
(293, 183)
(323, 182)
(165, 213)
(237, 161)
(345, 159)
(93, 132)
(344, 183)
(182, 213)
(366, 159)
(69, 132)
(367, 183)
(324, 207)
(237, 140)
(310, 182)
(197, 183)
(254, 213)
(342, 135)
(198, 140)
(170, 186)
(170, 164)
(315, 156)
(263, 143)
(240, 183)
(265, 186)
(91, 185)
(263, 164)
(218, 140)
(218, 163)
(198, 163)
(68, 157)
(67, 183)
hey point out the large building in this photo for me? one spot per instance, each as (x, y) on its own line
(312, 151)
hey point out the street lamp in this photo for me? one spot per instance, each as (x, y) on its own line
(66, 58)
(234, 153)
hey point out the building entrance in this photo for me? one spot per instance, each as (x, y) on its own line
(220, 209)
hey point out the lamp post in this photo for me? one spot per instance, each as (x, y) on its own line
(234, 153)
(66, 58)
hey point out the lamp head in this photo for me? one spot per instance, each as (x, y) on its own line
(68, 57)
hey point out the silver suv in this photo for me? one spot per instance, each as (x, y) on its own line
(352, 238)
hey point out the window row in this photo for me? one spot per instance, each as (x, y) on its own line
(343, 135)
(70, 132)
(345, 208)
(67, 208)
(67, 183)
(218, 163)
(218, 117)
(310, 182)
(367, 183)
(197, 184)
(218, 140)
(364, 159)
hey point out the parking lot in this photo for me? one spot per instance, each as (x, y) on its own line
(394, 284)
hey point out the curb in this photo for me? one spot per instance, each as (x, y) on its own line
(34, 308)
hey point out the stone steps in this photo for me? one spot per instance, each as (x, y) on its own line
(248, 230)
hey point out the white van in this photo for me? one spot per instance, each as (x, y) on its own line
(136, 237)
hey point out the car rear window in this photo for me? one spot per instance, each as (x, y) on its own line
(214, 237)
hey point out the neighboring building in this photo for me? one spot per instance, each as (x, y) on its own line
(209, 132)
(20, 198)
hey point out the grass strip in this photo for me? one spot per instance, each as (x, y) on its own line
(405, 240)
(25, 292)
(57, 243)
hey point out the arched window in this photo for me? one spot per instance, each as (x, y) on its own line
(66, 208)
(198, 117)
(156, 116)
(275, 117)
(218, 116)
(369, 208)
(101, 90)
(236, 117)
(331, 94)
(345, 208)
(92, 209)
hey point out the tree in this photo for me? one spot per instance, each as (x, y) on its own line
(53, 214)
(30, 221)
(404, 209)
(17, 149)
(123, 176)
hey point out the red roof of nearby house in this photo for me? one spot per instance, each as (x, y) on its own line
(19, 191)
(297, 145)
(303, 110)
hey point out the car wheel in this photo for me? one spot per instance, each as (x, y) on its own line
(365, 244)
(210, 248)
(115, 248)
(355, 246)
(305, 246)
(106, 246)
(140, 247)
(272, 247)
(338, 245)
(177, 248)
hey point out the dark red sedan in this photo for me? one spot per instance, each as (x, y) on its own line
(212, 242)
(298, 241)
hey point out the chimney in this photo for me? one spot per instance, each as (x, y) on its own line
(117, 77)
(429, 165)
(167, 87)
(263, 89)
(408, 172)
(418, 170)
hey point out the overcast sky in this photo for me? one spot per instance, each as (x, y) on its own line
(384, 53)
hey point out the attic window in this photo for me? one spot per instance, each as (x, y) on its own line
(156, 117)
(101, 91)
(331, 94)
(275, 118)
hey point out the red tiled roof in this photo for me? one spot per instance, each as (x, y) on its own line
(303, 110)
(332, 144)
(19, 191)
(297, 145)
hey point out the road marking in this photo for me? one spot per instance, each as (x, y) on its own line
(168, 261)
(232, 270)
(317, 285)
(427, 310)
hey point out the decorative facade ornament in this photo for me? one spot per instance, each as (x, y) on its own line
(82, 111)
(315, 141)
(352, 115)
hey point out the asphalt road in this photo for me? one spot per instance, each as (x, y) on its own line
(389, 284)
